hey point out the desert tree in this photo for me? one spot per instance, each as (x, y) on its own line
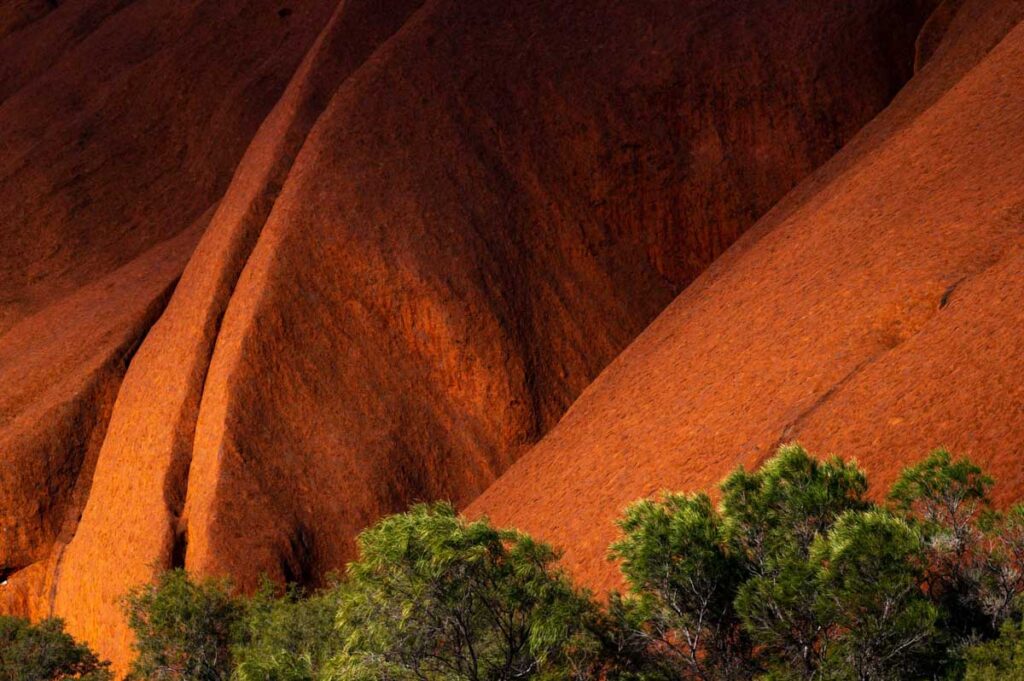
(869, 590)
(773, 517)
(678, 618)
(184, 629)
(435, 597)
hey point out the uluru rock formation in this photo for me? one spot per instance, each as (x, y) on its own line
(486, 212)
(269, 271)
(875, 313)
(121, 124)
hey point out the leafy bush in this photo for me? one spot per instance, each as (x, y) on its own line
(680, 620)
(974, 557)
(795, 574)
(434, 596)
(288, 638)
(947, 499)
(184, 630)
(1001, 659)
(45, 652)
(774, 516)
(868, 584)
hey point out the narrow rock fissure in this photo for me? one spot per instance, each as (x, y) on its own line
(944, 300)
(794, 425)
(179, 548)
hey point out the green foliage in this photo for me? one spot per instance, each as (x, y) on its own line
(944, 493)
(1001, 659)
(45, 652)
(782, 507)
(798, 576)
(947, 499)
(288, 638)
(1001, 561)
(870, 590)
(184, 630)
(773, 516)
(436, 597)
(795, 575)
(679, 618)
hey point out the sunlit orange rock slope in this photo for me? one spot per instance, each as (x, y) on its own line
(121, 125)
(877, 312)
(269, 270)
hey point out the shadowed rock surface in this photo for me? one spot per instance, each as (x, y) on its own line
(133, 525)
(121, 124)
(875, 313)
(485, 214)
(453, 217)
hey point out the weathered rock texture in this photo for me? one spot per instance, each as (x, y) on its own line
(483, 216)
(133, 525)
(453, 218)
(121, 124)
(875, 313)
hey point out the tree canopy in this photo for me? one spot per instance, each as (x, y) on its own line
(795, 573)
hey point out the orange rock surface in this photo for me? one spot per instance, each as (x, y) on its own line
(121, 125)
(269, 271)
(132, 526)
(486, 212)
(875, 313)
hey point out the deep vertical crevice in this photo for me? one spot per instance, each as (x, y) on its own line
(179, 548)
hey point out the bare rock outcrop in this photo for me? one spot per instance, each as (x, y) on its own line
(874, 313)
(387, 288)
(487, 211)
(121, 124)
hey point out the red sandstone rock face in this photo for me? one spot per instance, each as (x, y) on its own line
(121, 124)
(133, 525)
(454, 217)
(875, 313)
(485, 213)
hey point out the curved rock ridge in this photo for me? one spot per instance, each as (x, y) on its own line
(875, 313)
(453, 217)
(121, 125)
(132, 526)
(487, 211)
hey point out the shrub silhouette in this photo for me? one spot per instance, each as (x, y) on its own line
(45, 652)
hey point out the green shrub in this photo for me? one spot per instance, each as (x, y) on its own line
(184, 630)
(869, 592)
(1001, 659)
(788, 502)
(795, 574)
(1002, 565)
(45, 652)
(773, 516)
(679, 620)
(946, 499)
(288, 638)
(436, 597)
